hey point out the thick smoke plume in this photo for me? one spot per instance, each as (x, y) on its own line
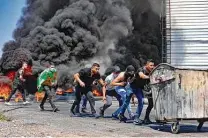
(75, 33)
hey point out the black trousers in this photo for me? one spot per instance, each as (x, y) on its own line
(149, 107)
(78, 95)
(49, 93)
(21, 89)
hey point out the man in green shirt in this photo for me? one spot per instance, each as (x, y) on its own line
(18, 84)
(46, 82)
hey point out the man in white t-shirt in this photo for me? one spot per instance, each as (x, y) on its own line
(110, 92)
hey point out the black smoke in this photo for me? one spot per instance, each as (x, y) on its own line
(75, 33)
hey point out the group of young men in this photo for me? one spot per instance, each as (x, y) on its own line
(121, 85)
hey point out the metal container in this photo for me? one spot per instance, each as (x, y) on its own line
(185, 33)
(179, 94)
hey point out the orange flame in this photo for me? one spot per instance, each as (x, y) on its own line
(18, 97)
(11, 75)
(39, 96)
(59, 91)
(70, 90)
(96, 92)
(5, 90)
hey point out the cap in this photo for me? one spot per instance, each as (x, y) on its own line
(130, 68)
(117, 69)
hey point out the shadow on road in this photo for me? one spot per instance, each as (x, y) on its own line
(183, 128)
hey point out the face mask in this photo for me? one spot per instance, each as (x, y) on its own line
(129, 74)
(115, 75)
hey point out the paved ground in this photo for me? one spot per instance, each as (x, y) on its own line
(28, 121)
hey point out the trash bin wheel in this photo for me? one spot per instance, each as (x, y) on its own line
(201, 122)
(175, 127)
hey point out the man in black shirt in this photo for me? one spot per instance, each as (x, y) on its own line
(141, 78)
(85, 78)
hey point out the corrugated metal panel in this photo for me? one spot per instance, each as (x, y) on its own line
(187, 33)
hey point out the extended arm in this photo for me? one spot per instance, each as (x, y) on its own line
(118, 81)
(77, 78)
(103, 88)
(143, 76)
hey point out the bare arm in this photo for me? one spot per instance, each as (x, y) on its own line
(143, 76)
(21, 75)
(103, 88)
(118, 81)
(104, 92)
(77, 78)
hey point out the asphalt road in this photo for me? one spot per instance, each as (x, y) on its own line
(29, 121)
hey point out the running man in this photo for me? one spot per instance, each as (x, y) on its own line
(85, 78)
(46, 82)
(19, 84)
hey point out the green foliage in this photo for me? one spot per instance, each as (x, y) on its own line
(3, 117)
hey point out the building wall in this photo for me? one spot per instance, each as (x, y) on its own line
(187, 33)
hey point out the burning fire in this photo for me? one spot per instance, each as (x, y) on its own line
(59, 91)
(96, 92)
(18, 97)
(39, 96)
(70, 90)
(5, 90)
(11, 75)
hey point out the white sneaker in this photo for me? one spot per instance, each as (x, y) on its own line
(26, 102)
(7, 103)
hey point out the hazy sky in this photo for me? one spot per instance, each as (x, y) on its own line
(10, 12)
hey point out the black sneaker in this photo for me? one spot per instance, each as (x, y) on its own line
(138, 121)
(72, 113)
(122, 118)
(132, 117)
(41, 108)
(147, 121)
(95, 115)
(114, 117)
(101, 112)
(84, 110)
(55, 109)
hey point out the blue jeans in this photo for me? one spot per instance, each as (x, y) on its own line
(84, 101)
(123, 93)
(139, 94)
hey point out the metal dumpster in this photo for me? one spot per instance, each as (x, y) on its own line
(179, 94)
